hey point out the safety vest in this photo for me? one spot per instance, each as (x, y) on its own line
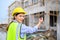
(11, 34)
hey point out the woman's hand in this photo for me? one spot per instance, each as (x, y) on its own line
(41, 20)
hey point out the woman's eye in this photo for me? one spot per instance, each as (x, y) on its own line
(22, 16)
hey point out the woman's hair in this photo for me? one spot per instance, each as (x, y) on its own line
(8, 26)
(15, 15)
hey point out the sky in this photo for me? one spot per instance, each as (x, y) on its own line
(4, 9)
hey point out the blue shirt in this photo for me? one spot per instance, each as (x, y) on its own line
(25, 29)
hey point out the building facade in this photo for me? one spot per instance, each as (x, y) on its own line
(36, 8)
(47, 8)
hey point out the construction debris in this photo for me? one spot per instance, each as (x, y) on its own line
(47, 35)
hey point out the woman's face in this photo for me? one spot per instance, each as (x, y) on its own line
(20, 17)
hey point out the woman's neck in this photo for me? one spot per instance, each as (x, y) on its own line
(17, 21)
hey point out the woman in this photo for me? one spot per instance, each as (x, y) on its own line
(17, 30)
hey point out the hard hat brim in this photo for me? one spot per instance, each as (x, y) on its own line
(19, 13)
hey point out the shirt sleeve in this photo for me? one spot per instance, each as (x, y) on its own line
(27, 29)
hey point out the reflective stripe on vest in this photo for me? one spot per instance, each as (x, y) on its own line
(11, 34)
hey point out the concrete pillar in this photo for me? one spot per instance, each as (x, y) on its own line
(58, 28)
(30, 20)
(46, 21)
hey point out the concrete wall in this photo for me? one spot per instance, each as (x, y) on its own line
(49, 5)
(34, 9)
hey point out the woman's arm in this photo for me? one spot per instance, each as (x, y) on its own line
(26, 29)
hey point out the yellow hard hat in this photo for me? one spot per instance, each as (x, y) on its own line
(18, 10)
